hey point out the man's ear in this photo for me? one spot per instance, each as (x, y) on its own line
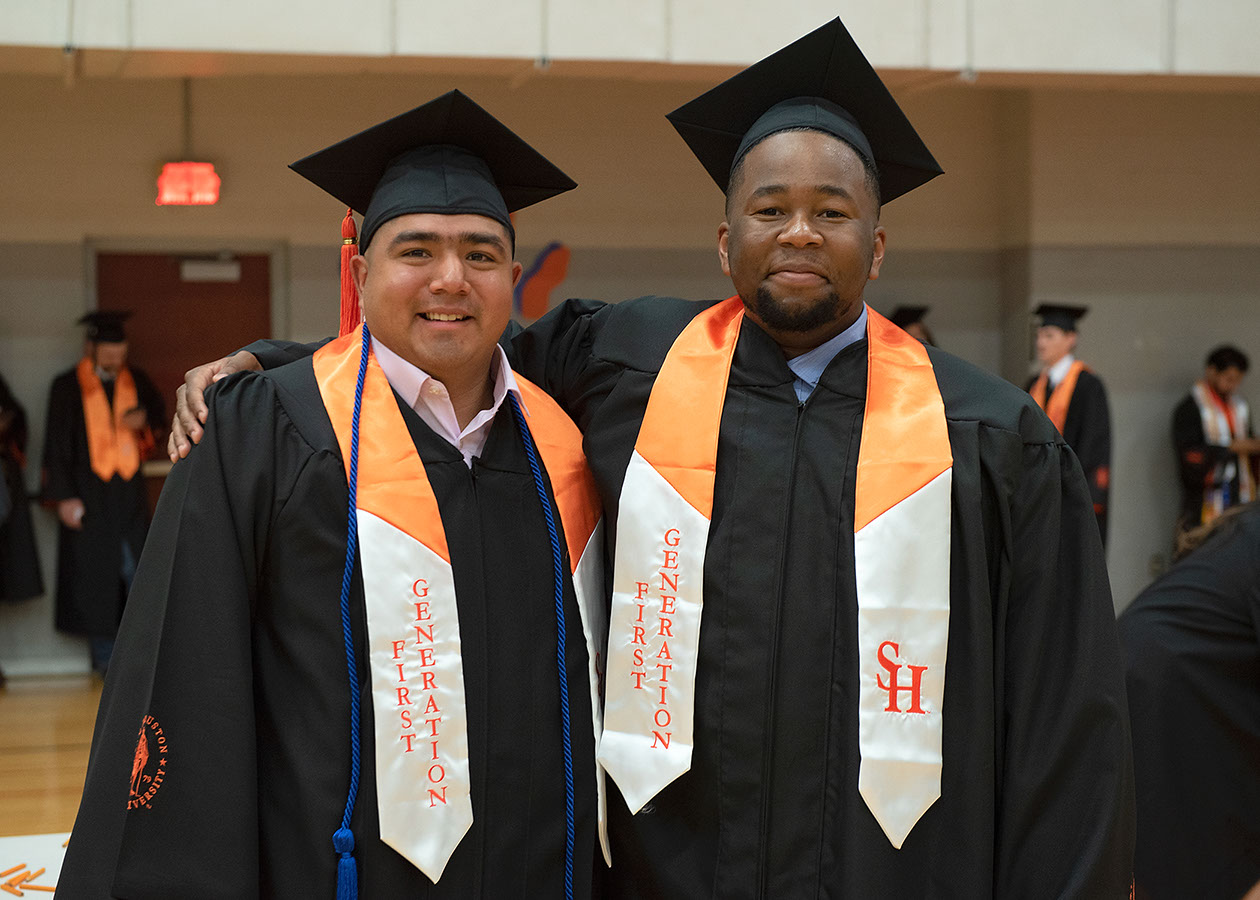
(359, 269)
(724, 231)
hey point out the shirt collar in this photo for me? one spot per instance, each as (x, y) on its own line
(809, 366)
(1059, 370)
(409, 380)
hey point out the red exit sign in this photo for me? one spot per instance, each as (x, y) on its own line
(188, 184)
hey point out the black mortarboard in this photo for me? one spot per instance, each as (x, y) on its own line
(448, 156)
(1060, 316)
(105, 326)
(907, 315)
(821, 82)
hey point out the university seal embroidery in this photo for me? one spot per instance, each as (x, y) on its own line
(148, 769)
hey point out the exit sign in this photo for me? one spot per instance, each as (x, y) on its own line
(188, 184)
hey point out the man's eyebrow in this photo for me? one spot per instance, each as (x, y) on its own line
(487, 238)
(419, 237)
(831, 190)
(483, 237)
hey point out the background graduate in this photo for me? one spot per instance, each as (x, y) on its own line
(102, 419)
(465, 764)
(811, 508)
(1074, 398)
(1218, 455)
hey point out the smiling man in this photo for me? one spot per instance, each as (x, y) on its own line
(861, 641)
(353, 655)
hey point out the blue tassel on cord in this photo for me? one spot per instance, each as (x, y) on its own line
(343, 837)
(347, 872)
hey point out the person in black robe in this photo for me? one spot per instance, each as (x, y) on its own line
(1086, 426)
(1036, 793)
(20, 577)
(1219, 473)
(1191, 644)
(102, 523)
(232, 656)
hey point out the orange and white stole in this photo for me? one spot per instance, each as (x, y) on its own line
(113, 448)
(901, 553)
(1056, 409)
(417, 681)
(1223, 421)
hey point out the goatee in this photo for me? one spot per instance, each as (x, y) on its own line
(800, 319)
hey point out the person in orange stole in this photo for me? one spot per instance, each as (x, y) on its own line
(101, 419)
(1075, 400)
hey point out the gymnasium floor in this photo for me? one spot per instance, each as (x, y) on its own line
(45, 733)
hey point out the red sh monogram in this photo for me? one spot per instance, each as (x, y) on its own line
(893, 689)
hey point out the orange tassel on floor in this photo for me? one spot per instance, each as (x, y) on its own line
(351, 315)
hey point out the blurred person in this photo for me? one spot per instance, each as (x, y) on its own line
(399, 523)
(102, 416)
(20, 576)
(1217, 452)
(785, 468)
(1191, 645)
(910, 320)
(1075, 400)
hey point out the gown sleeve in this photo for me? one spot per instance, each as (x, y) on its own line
(555, 351)
(174, 813)
(272, 354)
(1065, 779)
(1196, 458)
(60, 463)
(1092, 445)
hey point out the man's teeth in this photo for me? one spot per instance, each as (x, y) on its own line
(443, 317)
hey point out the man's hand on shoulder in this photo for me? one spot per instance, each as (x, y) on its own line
(190, 400)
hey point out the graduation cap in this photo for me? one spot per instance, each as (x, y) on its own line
(907, 315)
(821, 82)
(448, 156)
(105, 326)
(1060, 316)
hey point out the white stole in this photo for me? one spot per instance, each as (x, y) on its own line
(417, 683)
(901, 551)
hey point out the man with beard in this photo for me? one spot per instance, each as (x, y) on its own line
(101, 419)
(810, 508)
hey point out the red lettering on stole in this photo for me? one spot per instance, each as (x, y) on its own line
(892, 666)
(423, 625)
(667, 577)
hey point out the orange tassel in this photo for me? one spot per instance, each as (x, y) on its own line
(351, 315)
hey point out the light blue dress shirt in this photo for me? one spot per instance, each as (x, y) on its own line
(808, 367)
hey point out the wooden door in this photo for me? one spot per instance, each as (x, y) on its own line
(177, 324)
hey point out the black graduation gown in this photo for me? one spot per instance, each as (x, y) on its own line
(1196, 459)
(1192, 652)
(1037, 791)
(1037, 785)
(20, 577)
(232, 642)
(1087, 430)
(90, 591)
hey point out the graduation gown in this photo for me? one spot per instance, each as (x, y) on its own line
(1087, 430)
(1196, 459)
(232, 643)
(20, 577)
(90, 588)
(1037, 792)
(1192, 653)
(1036, 786)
